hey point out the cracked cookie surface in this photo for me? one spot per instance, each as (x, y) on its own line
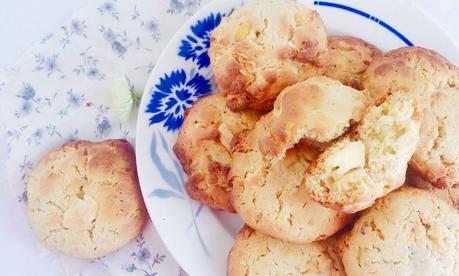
(437, 155)
(428, 75)
(256, 254)
(203, 148)
(263, 47)
(449, 195)
(408, 232)
(371, 160)
(268, 163)
(349, 59)
(84, 198)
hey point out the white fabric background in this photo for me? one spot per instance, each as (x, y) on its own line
(24, 22)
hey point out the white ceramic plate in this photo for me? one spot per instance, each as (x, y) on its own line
(200, 238)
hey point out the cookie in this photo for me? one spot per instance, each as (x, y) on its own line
(263, 47)
(428, 75)
(254, 254)
(268, 164)
(407, 232)
(411, 69)
(349, 59)
(203, 148)
(279, 206)
(437, 155)
(370, 161)
(449, 195)
(84, 198)
(318, 109)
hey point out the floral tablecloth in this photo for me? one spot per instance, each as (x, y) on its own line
(60, 91)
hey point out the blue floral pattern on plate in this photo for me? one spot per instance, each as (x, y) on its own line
(60, 93)
(172, 92)
(196, 45)
(173, 95)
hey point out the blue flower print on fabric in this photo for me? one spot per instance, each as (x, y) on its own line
(27, 92)
(48, 64)
(75, 28)
(187, 6)
(108, 8)
(173, 95)
(30, 102)
(195, 46)
(143, 261)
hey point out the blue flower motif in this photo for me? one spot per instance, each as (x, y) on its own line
(24, 109)
(27, 92)
(176, 6)
(109, 35)
(102, 128)
(72, 137)
(108, 8)
(73, 99)
(152, 27)
(77, 27)
(48, 64)
(173, 95)
(195, 46)
(93, 72)
(130, 268)
(36, 137)
(143, 255)
(118, 48)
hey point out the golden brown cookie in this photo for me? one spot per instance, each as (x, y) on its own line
(349, 59)
(279, 206)
(437, 155)
(263, 47)
(407, 232)
(255, 254)
(435, 81)
(266, 173)
(411, 69)
(370, 161)
(449, 195)
(203, 148)
(318, 109)
(84, 198)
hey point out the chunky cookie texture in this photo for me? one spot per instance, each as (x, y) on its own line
(448, 195)
(263, 47)
(437, 155)
(203, 148)
(84, 198)
(408, 232)
(369, 162)
(430, 77)
(268, 163)
(416, 70)
(349, 59)
(276, 204)
(254, 253)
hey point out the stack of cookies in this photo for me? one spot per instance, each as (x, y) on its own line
(309, 140)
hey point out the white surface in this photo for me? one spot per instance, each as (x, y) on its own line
(204, 250)
(24, 22)
(68, 76)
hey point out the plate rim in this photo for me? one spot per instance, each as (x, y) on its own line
(155, 74)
